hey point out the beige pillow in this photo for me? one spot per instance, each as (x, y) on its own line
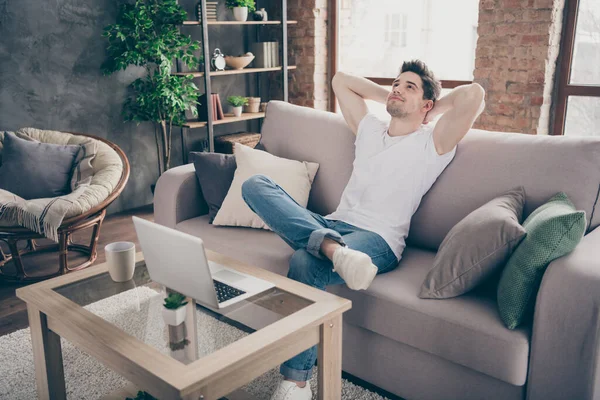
(294, 177)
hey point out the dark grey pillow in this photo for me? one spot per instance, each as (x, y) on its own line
(477, 247)
(34, 170)
(215, 173)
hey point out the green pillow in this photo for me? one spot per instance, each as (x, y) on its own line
(553, 230)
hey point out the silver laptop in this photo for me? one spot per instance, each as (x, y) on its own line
(178, 261)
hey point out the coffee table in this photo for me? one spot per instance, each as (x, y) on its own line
(287, 319)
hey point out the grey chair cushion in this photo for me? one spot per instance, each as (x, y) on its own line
(477, 247)
(34, 170)
(215, 173)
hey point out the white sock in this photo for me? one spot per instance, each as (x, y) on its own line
(355, 267)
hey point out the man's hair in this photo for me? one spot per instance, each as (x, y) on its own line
(431, 86)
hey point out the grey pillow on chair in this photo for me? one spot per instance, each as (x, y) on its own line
(34, 170)
(477, 247)
(215, 173)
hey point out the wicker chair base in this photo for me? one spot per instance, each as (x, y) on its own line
(11, 236)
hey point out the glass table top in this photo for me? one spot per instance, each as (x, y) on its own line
(136, 307)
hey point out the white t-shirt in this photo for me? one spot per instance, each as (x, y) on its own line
(391, 174)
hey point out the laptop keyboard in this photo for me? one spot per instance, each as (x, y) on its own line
(226, 292)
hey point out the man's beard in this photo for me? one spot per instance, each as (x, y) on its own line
(396, 111)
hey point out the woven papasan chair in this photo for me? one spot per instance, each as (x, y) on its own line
(110, 172)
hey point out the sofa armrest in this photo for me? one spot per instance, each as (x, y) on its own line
(565, 337)
(178, 196)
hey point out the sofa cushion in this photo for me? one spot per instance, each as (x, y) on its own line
(488, 164)
(477, 247)
(215, 173)
(553, 230)
(466, 330)
(294, 177)
(306, 134)
(257, 247)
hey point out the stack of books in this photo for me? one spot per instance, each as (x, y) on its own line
(211, 11)
(266, 54)
(217, 108)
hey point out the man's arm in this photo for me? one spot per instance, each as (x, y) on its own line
(351, 92)
(460, 108)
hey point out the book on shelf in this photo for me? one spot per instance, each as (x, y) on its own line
(274, 54)
(217, 109)
(266, 54)
(214, 107)
(258, 50)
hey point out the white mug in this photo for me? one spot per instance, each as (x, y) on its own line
(120, 257)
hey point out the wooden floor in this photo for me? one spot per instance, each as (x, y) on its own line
(116, 227)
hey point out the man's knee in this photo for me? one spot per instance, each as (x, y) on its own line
(253, 185)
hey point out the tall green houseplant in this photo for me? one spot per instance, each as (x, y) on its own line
(146, 34)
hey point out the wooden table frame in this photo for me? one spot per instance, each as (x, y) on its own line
(52, 316)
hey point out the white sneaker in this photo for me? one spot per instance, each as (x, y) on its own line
(355, 267)
(290, 391)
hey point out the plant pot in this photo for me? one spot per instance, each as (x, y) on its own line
(174, 317)
(253, 105)
(240, 13)
(237, 111)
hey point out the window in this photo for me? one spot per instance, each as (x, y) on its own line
(577, 110)
(375, 38)
(395, 30)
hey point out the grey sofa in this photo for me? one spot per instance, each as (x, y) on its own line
(438, 349)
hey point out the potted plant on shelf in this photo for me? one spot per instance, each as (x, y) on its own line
(174, 310)
(240, 8)
(146, 35)
(236, 103)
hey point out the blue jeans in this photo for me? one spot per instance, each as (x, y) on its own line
(304, 231)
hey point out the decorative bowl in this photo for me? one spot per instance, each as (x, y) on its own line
(238, 62)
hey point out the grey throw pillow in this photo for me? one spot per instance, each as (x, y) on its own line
(215, 173)
(477, 247)
(34, 170)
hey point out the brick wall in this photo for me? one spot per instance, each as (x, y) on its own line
(515, 62)
(309, 83)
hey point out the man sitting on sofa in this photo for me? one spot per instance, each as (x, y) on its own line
(396, 162)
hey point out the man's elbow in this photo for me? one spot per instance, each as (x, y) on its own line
(476, 92)
(338, 79)
(474, 97)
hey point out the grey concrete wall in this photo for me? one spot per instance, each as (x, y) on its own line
(50, 57)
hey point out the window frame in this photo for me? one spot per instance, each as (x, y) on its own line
(564, 89)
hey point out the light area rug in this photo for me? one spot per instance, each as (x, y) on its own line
(86, 378)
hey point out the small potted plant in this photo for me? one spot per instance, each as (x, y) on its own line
(240, 8)
(174, 310)
(142, 396)
(236, 103)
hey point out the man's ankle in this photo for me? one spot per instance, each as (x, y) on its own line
(300, 384)
(328, 247)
